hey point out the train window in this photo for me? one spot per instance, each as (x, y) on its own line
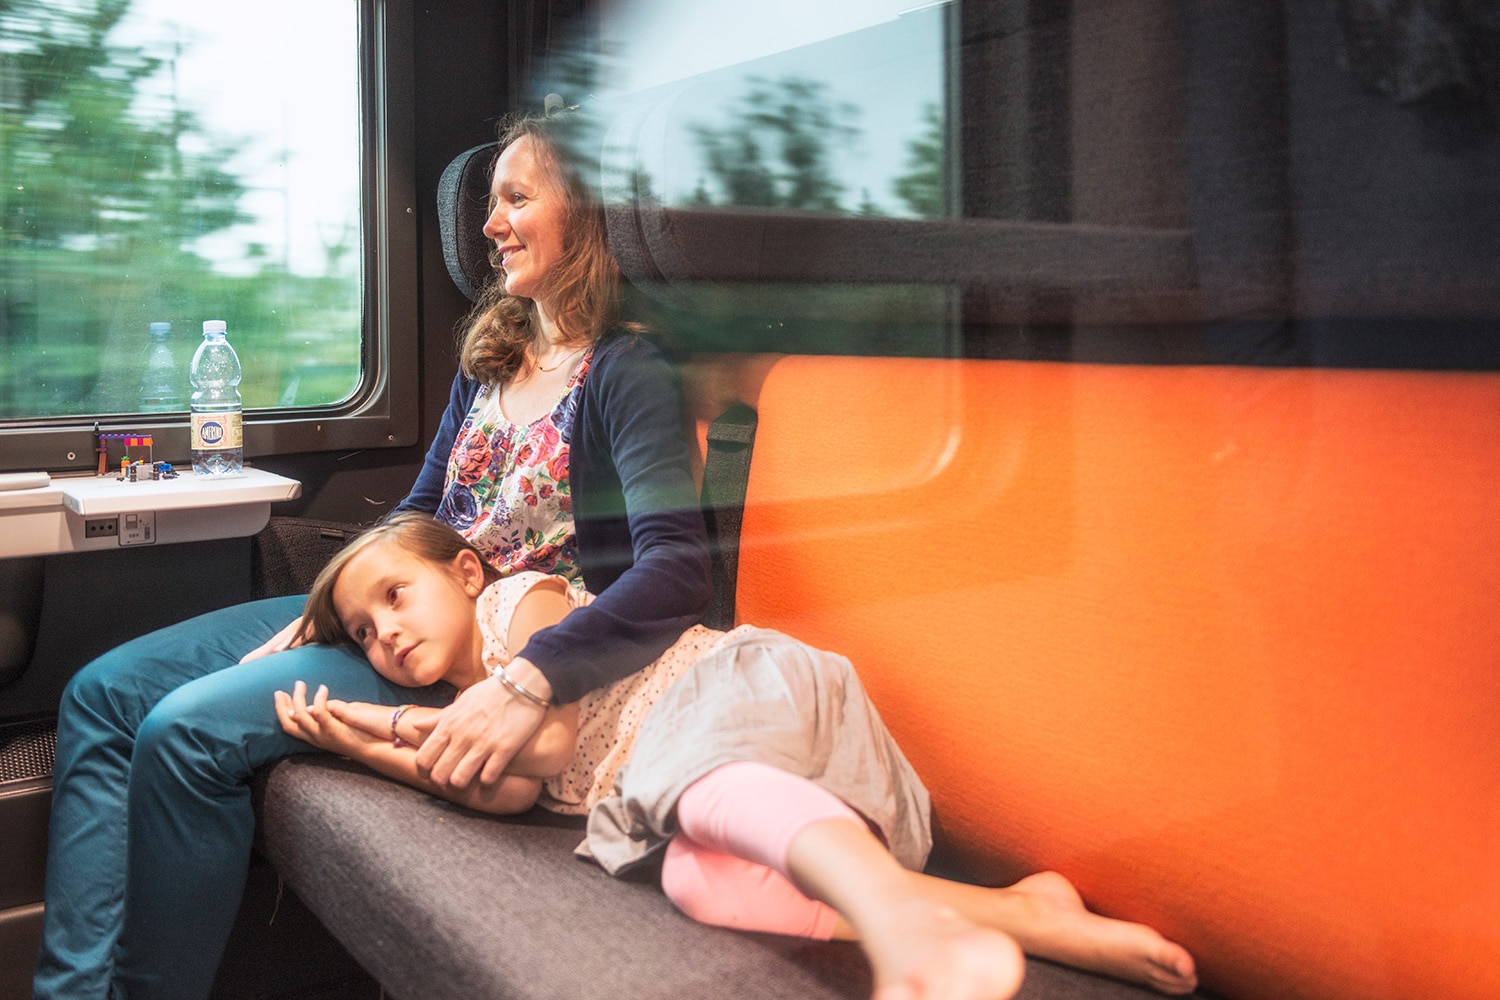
(843, 112)
(1135, 182)
(168, 161)
(730, 116)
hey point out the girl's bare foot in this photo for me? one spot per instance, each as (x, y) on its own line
(926, 951)
(1059, 927)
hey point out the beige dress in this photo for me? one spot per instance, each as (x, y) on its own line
(608, 718)
(714, 698)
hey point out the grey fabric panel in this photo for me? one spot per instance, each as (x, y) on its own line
(463, 204)
(440, 903)
(289, 552)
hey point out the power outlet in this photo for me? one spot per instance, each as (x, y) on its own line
(101, 527)
(138, 529)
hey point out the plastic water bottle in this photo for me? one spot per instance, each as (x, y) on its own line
(161, 383)
(218, 448)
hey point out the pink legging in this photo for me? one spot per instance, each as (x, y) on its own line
(728, 866)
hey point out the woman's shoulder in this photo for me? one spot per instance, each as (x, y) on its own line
(627, 344)
(629, 366)
(463, 390)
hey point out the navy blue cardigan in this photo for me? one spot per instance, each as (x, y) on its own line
(641, 540)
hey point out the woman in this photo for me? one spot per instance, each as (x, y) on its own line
(561, 450)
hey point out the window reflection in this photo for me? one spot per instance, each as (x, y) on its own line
(852, 123)
(1134, 182)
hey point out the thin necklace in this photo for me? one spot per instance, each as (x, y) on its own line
(559, 364)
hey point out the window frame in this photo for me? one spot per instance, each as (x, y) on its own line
(383, 410)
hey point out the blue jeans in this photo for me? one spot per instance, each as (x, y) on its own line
(151, 824)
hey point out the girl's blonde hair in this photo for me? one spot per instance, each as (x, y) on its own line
(585, 284)
(420, 534)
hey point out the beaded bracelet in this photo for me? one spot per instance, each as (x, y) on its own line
(510, 682)
(397, 741)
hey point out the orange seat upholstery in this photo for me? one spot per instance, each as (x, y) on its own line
(1219, 644)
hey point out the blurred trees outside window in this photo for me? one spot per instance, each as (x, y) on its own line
(131, 194)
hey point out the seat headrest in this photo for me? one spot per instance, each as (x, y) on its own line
(463, 196)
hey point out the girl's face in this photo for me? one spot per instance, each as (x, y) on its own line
(413, 618)
(528, 220)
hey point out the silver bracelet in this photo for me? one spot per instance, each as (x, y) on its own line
(397, 741)
(510, 682)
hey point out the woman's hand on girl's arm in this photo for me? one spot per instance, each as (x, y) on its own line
(486, 726)
(288, 638)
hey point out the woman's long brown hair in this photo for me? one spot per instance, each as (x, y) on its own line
(585, 286)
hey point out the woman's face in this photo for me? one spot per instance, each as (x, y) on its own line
(528, 219)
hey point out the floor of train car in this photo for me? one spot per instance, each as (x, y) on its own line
(279, 951)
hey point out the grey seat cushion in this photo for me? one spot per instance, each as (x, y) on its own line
(440, 903)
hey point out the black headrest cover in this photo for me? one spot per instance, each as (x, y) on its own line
(463, 196)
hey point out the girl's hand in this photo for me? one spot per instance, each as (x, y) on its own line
(316, 723)
(288, 638)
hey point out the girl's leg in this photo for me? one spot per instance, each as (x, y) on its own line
(916, 946)
(190, 820)
(903, 916)
(101, 710)
(717, 888)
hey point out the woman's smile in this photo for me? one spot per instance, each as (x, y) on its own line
(527, 221)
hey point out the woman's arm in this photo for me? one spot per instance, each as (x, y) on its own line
(543, 605)
(427, 492)
(316, 723)
(467, 738)
(629, 449)
(649, 568)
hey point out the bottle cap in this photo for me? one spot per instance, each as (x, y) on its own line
(160, 329)
(213, 326)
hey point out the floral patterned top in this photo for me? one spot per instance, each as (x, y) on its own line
(609, 718)
(506, 490)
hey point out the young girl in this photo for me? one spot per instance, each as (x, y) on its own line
(762, 770)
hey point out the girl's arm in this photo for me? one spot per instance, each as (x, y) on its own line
(544, 755)
(367, 732)
(316, 723)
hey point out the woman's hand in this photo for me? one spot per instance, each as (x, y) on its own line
(484, 728)
(288, 638)
(316, 722)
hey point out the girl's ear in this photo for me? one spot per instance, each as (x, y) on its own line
(470, 571)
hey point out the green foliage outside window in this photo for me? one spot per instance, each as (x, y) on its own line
(105, 186)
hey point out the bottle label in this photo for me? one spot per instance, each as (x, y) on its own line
(216, 431)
